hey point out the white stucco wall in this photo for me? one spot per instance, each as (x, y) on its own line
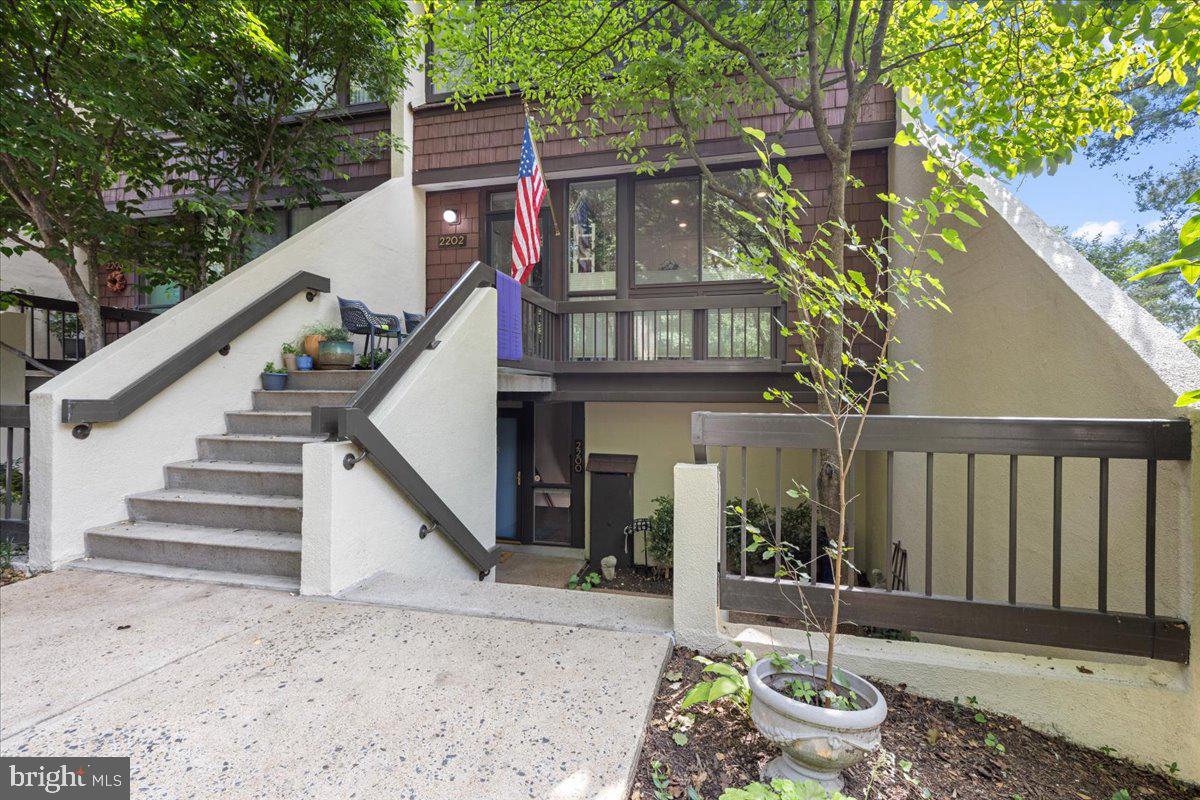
(441, 416)
(34, 274)
(1037, 331)
(371, 249)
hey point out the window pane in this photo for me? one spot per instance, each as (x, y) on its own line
(592, 237)
(303, 217)
(360, 94)
(727, 236)
(666, 240)
(262, 241)
(502, 201)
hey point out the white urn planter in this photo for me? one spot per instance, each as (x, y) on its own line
(817, 742)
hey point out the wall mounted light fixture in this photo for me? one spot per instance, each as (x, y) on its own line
(450, 216)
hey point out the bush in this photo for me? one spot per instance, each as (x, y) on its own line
(796, 522)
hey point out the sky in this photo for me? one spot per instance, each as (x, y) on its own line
(1090, 199)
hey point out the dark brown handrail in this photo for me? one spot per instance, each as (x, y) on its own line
(353, 422)
(142, 389)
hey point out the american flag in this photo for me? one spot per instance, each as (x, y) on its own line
(531, 191)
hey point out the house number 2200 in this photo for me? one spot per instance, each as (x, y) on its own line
(455, 240)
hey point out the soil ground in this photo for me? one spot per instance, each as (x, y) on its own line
(945, 743)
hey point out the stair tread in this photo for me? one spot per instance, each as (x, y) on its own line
(239, 466)
(260, 412)
(307, 391)
(263, 437)
(151, 570)
(219, 498)
(281, 541)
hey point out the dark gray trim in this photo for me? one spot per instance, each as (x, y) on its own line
(1159, 439)
(14, 416)
(671, 303)
(141, 389)
(353, 423)
(1159, 638)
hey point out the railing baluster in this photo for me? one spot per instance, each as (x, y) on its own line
(724, 536)
(25, 482)
(970, 526)
(1102, 556)
(742, 537)
(8, 471)
(813, 495)
(891, 492)
(1056, 546)
(928, 524)
(1151, 513)
(1012, 529)
(778, 505)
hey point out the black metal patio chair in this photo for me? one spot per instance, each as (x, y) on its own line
(358, 319)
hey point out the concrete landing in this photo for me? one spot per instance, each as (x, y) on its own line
(241, 693)
(601, 610)
(529, 569)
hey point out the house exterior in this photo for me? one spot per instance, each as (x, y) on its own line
(632, 334)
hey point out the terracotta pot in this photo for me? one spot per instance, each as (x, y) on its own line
(289, 361)
(312, 343)
(335, 355)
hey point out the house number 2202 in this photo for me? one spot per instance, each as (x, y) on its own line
(454, 240)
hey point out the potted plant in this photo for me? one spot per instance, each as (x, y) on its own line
(289, 356)
(304, 362)
(336, 351)
(274, 378)
(312, 336)
(372, 360)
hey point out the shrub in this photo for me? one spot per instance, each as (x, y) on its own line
(660, 540)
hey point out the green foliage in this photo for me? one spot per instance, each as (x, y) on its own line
(330, 333)
(730, 682)
(660, 539)
(13, 487)
(271, 369)
(1186, 262)
(289, 349)
(378, 354)
(780, 789)
(584, 584)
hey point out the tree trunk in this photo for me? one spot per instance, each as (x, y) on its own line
(90, 322)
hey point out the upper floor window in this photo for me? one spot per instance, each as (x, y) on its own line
(321, 90)
(684, 232)
(592, 236)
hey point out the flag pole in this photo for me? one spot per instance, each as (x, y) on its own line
(538, 156)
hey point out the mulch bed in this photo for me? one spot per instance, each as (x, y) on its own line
(638, 580)
(9, 575)
(943, 741)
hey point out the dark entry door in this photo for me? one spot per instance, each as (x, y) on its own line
(499, 247)
(514, 474)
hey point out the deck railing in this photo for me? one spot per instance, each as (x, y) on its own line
(667, 334)
(949, 444)
(14, 502)
(54, 336)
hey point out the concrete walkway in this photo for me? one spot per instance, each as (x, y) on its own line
(240, 693)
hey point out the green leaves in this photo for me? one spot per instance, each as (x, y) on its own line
(730, 682)
(951, 237)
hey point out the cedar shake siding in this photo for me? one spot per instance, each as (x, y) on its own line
(365, 122)
(445, 265)
(484, 141)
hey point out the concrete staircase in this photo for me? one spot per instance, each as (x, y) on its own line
(233, 514)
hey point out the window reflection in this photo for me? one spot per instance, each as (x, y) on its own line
(729, 238)
(592, 236)
(666, 245)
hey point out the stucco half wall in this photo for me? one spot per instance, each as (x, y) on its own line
(370, 249)
(441, 416)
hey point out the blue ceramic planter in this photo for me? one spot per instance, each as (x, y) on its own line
(304, 363)
(274, 381)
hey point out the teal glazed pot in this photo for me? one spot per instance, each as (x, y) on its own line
(335, 355)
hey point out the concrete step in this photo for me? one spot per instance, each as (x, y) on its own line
(217, 509)
(329, 379)
(254, 552)
(236, 477)
(269, 422)
(300, 399)
(259, 448)
(245, 580)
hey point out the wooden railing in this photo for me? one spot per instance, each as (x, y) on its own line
(667, 334)
(54, 336)
(14, 495)
(949, 444)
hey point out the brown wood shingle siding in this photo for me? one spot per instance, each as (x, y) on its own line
(489, 133)
(359, 176)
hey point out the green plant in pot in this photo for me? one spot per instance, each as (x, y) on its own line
(274, 378)
(335, 351)
(289, 352)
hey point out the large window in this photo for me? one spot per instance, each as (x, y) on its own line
(685, 232)
(592, 237)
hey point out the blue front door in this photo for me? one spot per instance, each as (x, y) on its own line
(506, 477)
